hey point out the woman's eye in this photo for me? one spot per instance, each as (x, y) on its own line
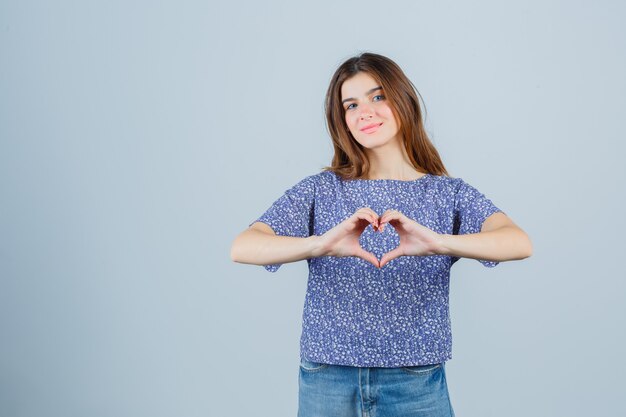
(382, 97)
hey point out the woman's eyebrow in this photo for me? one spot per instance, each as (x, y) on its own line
(368, 92)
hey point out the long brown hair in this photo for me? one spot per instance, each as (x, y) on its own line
(350, 160)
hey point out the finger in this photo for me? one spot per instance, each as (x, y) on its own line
(390, 215)
(369, 209)
(368, 214)
(363, 215)
(374, 216)
(396, 253)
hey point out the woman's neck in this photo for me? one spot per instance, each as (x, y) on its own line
(391, 162)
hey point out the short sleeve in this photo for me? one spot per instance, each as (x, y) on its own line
(471, 208)
(292, 213)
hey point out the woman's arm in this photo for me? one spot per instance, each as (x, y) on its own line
(259, 245)
(499, 240)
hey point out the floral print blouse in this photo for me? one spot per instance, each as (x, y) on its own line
(356, 314)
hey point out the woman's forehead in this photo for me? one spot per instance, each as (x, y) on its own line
(359, 85)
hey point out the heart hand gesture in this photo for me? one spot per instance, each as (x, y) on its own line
(343, 239)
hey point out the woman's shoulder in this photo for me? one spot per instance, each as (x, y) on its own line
(309, 184)
(321, 178)
(317, 178)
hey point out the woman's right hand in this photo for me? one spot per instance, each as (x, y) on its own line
(343, 239)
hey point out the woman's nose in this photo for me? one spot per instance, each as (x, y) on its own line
(366, 112)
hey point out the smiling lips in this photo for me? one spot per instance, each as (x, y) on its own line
(371, 128)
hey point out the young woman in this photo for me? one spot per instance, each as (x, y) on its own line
(376, 327)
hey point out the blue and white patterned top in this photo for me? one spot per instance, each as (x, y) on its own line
(355, 313)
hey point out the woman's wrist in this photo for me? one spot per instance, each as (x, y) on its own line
(316, 246)
(443, 241)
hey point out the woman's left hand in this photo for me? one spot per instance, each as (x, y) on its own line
(415, 239)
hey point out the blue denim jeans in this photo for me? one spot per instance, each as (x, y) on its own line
(347, 391)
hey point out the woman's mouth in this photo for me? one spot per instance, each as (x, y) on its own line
(371, 128)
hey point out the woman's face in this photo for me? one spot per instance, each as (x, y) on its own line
(365, 105)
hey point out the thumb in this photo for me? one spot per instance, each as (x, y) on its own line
(368, 256)
(396, 253)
